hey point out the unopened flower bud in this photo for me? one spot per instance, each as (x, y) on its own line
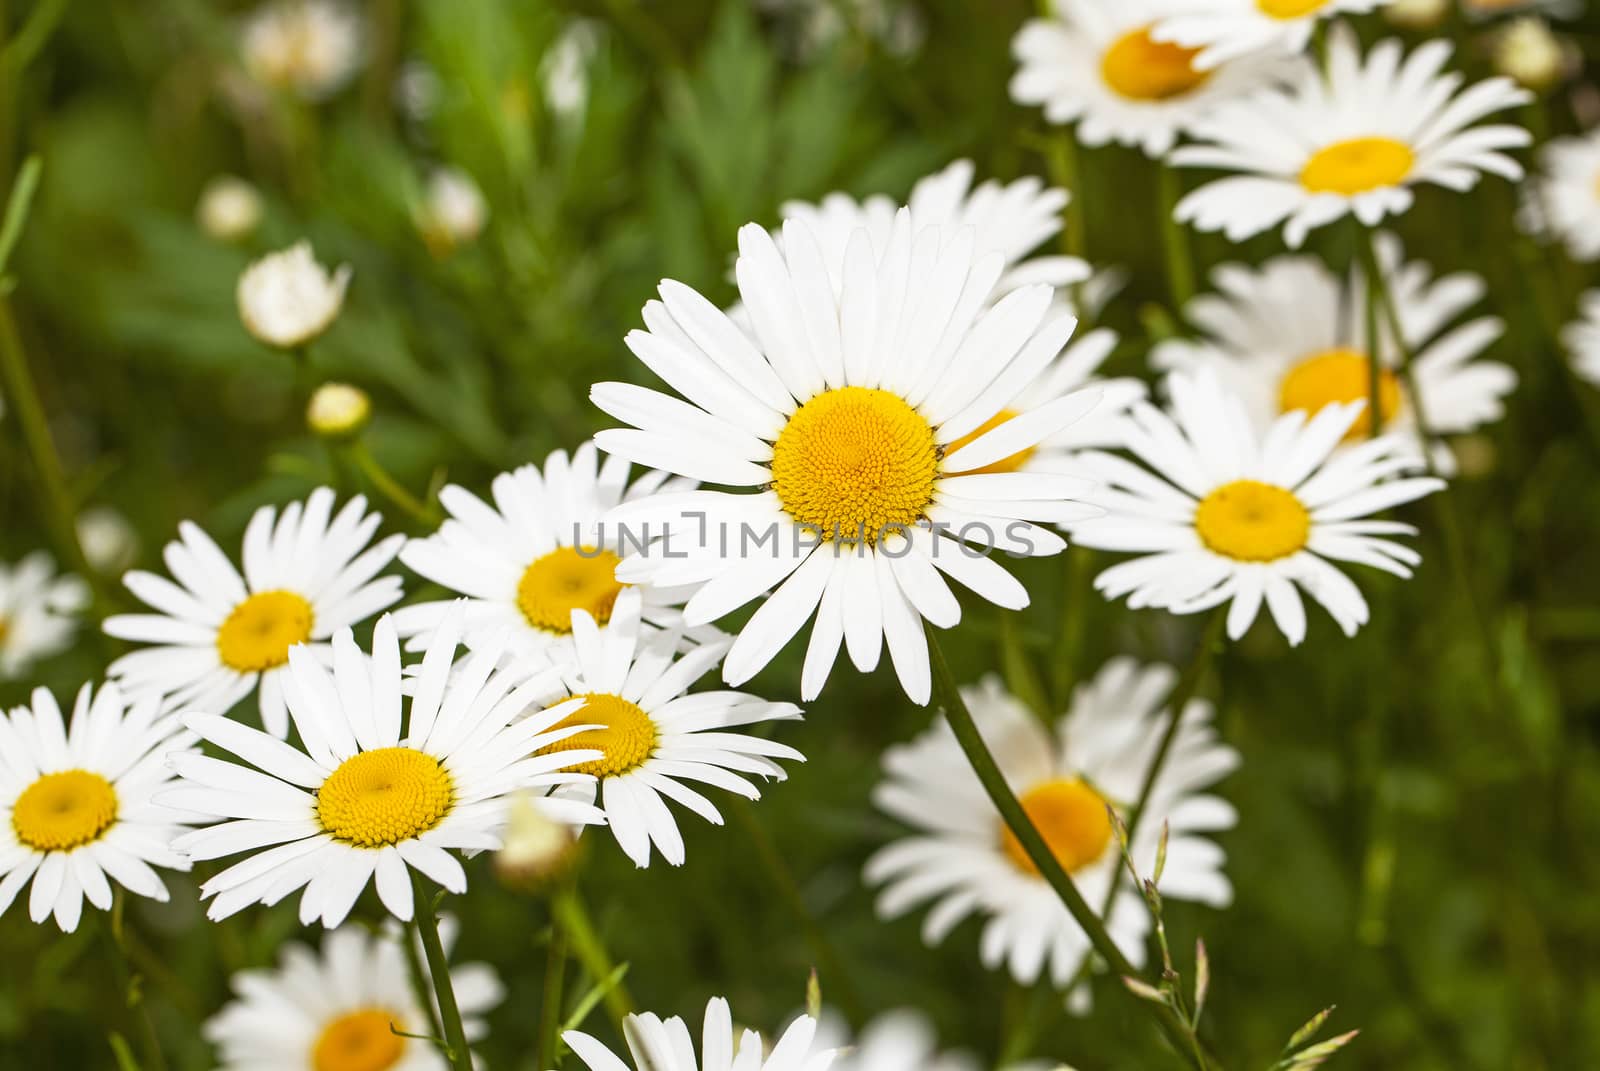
(1529, 53)
(1417, 14)
(229, 208)
(537, 850)
(453, 211)
(286, 299)
(338, 411)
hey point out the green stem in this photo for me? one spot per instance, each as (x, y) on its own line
(1375, 285)
(427, 925)
(419, 985)
(1175, 242)
(572, 917)
(1064, 172)
(555, 970)
(130, 983)
(422, 512)
(1064, 671)
(947, 698)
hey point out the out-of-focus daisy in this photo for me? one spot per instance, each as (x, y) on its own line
(1354, 144)
(452, 211)
(218, 635)
(839, 415)
(1479, 10)
(1417, 14)
(286, 299)
(657, 1045)
(1098, 65)
(541, 551)
(1528, 52)
(1582, 338)
(229, 208)
(344, 1008)
(1226, 29)
(965, 861)
(38, 612)
(75, 802)
(565, 67)
(1563, 201)
(369, 798)
(309, 47)
(1289, 336)
(901, 1040)
(1224, 514)
(652, 736)
(109, 541)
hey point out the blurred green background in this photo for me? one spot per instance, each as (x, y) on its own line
(1420, 805)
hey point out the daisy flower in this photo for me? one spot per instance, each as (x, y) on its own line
(1098, 65)
(366, 797)
(1290, 335)
(901, 1040)
(38, 612)
(1227, 29)
(1564, 200)
(1225, 514)
(841, 416)
(310, 47)
(655, 1045)
(963, 860)
(287, 299)
(1354, 144)
(339, 1009)
(77, 805)
(649, 736)
(1582, 338)
(218, 635)
(541, 551)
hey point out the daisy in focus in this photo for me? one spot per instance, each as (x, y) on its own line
(1582, 338)
(962, 860)
(338, 1009)
(1355, 144)
(76, 811)
(1098, 65)
(838, 418)
(38, 612)
(1290, 336)
(1220, 513)
(370, 795)
(217, 636)
(651, 736)
(539, 552)
(1563, 201)
(657, 1045)
(1227, 29)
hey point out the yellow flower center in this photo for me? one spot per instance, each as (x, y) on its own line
(382, 797)
(258, 633)
(359, 1041)
(1005, 464)
(1357, 165)
(1141, 69)
(1251, 521)
(1339, 375)
(626, 736)
(1289, 9)
(63, 811)
(1071, 817)
(854, 463)
(568, 579)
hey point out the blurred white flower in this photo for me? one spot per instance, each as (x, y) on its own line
(1528, 52)
(658, 1045)
(109, 542)
(1228, 29)
(536, 848)
(1417, 14)
(287, 298)
(566, 67)
(1563, 200)
(338, 410)
(453, 210)
(38, 612)
(1582, 338)
(309, 47)
(229, 208)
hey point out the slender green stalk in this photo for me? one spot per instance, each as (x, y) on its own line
(1370, 270)
(1175, 242)
(555, 972)
(427, 925)
(423, 513)
(947, 698)
(420, 986)
(573, 917)
(1062, 157)
(1063, 671)
(129, 984)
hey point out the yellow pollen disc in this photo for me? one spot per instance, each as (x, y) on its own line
(1357, 165)
(1290, 9)
(626, 736)
(1005, 464)
(359, 1041)
(855, 462)
(1141, 69)
(63, 811)
(258, 633)
(568, 579)
(1251, 521)
(382, 797)
(1071, 817)
(1339, 375)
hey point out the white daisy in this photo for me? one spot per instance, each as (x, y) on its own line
(287, 298)
(652, 735)
(1582, 338)
(901, 1040)
(1290, 335)
(1227, 29)
(1563, 201)
(367, 797)
(541, 551)
(840, 415)
(1097, 65)
(38, 612)
(75, 802)
(655, 1045)
(963, 860)
(1355, 143)
(339, 1009)
(310, 47)
(218, 635)
(1223, 513)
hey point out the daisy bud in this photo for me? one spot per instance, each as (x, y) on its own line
(1417, 14)
(309, 47)
(109, 542)
(537, 849)
(453, 211)
(286, 299)
(1527, 52)
(229, 208)
(338, 411)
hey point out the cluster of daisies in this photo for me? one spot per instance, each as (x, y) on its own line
(899, 400)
